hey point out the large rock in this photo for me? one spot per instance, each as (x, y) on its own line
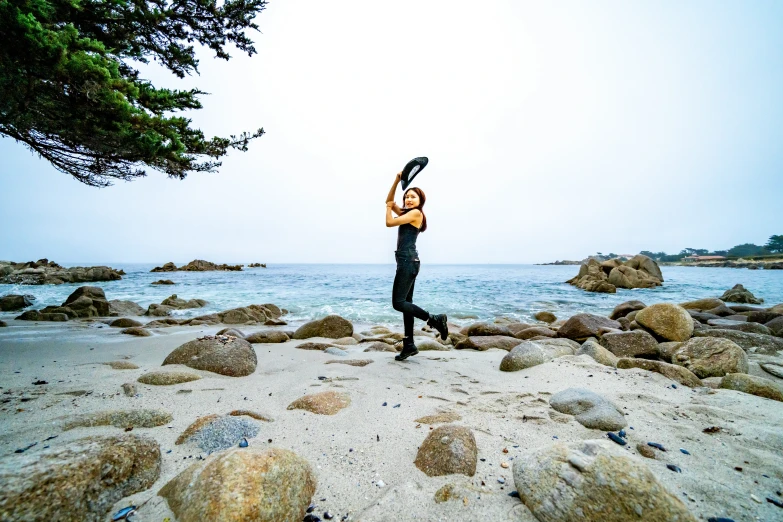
(638, 272)
(711, 357)
(36, 315)
(44, 272)
(672, 371)
(547, 317)
(598, 352)
(590, 409)
(331, 326)
(738, 294)
(637, 343)
(118, 308)
(668, 321)
(272, 485)
(764, 344)
(582, 326)
(80, 480)
(753, 385)
(591, 277)
(761, 316)
(145, 418)
(529, 353)
(448, 450)
(535, 331)
(626, 308)
(775, 326)
(268, 336)
(14, 302)
(742, 326)
(180, 304)
(86, 301)
(479, 329)
(220, 354)
(485, 342)
(593, 481)
(124, 322)
(323, 403)
(709, 303)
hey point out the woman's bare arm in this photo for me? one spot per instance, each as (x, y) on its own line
(409, 217)
(390, 198)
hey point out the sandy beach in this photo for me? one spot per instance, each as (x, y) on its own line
(363, 456)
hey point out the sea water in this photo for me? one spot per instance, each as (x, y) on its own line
(362, 293)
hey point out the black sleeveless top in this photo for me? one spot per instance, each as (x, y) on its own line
(406, 238)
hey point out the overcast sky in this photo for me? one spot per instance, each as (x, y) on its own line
(554, 130)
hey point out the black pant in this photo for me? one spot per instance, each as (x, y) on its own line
(402, 293)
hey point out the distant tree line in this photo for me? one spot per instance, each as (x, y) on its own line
(773, 246)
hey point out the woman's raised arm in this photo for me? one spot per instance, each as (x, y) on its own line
(390, 197)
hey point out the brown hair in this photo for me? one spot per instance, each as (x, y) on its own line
(422, 200)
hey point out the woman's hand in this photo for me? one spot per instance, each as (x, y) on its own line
(398, 177)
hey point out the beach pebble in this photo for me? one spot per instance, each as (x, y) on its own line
(129, 389)
(229, 356)
(380, 346)
(447, 450)
(332, 350)
(439, 418)
(168, 378)
(592, 481)
(589, 408)
(345, 341)
(646, 451)
(674, 468)
(616, 439)
(324, 403)
(351, 362)
(243, 484)
(98, 472)
(122, 365)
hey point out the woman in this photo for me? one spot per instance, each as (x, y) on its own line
(412, 221)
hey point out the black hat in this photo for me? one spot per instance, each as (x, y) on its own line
(413, 167)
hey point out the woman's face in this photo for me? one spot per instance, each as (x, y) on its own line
(411, 199)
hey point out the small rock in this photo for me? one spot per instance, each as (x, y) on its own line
(753, 385)
(138, 331)
(168, 378)
(447, 450)
(589, 408)
(121, 365)
(324, 403)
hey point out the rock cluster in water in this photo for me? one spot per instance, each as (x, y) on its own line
(45, 272)
(638, 272)
(197, 265)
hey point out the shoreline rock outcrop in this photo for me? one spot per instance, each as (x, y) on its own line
(85, 301)
(45, 272)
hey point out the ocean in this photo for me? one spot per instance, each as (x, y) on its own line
(362, 293)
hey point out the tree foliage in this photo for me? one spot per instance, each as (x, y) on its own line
(747, 249)
(69, 90)
(775, 244)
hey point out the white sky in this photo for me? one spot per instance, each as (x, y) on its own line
(554, 130)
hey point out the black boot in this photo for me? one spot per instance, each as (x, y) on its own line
(408, 349)
(439, 323)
